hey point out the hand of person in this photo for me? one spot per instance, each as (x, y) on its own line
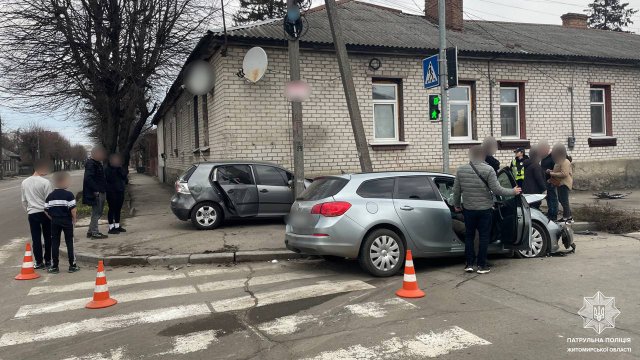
(517, 190)
(548, 171)
(457, 209)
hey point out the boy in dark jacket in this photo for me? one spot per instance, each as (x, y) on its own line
(116, 177)
(94, 187)
(60, 207)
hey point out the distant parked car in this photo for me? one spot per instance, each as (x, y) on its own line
(210, 192)
(375, 217)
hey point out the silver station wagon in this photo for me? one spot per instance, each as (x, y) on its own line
(375, 217)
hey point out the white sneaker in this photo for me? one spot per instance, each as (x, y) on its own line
(468, 269)
(483, 270)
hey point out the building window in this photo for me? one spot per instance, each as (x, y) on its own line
(386, 117)
(510, 112)
(460, 108)
(205, 119)
(600, 101)
(196, 130)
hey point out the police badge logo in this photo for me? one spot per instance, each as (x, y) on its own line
(599, 312)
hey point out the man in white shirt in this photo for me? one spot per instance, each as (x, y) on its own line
(35, 189)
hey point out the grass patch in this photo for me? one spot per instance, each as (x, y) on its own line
(84, 210)
(609, 218)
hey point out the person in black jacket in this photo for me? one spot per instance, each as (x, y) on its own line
(116, 177)
(534, 181)
(94, 187)
(547, 163)
(490, 146)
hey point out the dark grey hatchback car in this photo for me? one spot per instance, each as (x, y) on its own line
(209, 192)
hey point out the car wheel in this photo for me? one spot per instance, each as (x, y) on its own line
(206, 216)
(382, 253)
(539, 244)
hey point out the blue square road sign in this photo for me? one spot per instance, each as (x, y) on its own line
(431, 72)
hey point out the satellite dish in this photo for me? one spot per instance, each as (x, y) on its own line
(254, 64)
(200, 78)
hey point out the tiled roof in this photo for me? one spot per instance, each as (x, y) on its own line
(369, 25)
(6, 154)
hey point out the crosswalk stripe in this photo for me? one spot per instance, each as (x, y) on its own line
(114, 354)
(376, 309)
(423, 345)
(299, 293)
(38, 290)
(193, 342)
(74, 304)
(95, 325)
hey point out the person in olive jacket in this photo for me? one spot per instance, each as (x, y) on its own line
(117, 179)
(94, 187)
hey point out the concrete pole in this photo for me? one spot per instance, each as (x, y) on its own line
(349, 87)
(1, 153)
(443, 85)
(296, 118)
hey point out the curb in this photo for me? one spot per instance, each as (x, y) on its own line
(183, 259)
(584, 226)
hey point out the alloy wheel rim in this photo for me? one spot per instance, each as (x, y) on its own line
(537, 244)
(206, 215)
(384, 253)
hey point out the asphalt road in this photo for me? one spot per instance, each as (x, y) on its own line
(13, 219)
(523, 309)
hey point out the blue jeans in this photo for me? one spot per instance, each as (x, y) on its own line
(479, 220)
(552, 202)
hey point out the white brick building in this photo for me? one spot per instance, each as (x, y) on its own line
(513, 86)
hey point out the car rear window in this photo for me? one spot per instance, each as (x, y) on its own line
(187, 174)
(323, 188)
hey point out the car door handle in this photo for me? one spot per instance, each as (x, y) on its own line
(406, 208)
(264, 191)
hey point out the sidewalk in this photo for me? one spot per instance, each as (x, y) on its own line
(155, 236)
(630, 203)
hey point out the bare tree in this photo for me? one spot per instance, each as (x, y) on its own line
(105, 59)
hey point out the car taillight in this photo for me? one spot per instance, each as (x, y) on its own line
(331, 209)
(182, 187)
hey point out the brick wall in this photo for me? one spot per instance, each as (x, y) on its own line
(252, 121)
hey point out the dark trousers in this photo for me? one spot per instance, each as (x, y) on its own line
(40, 226)
(552, 202)
(57, 228)
(479, 220)
(563, 196)
(115, 200)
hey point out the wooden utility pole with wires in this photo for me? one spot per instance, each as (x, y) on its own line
(349, 87)
(293, 26)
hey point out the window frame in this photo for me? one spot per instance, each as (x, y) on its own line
(470, 105)
(517, 105)
(603, 104)
(196, 129)
(279, 171)
(396, 110)
(433, 195)
(366, 182)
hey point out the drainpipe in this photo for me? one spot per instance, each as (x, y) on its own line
(571, 141)
(491, 84)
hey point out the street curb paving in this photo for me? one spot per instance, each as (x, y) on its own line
(182, 259)
(583, 226)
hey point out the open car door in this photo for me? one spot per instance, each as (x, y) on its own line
(513, 216)
(236, 184)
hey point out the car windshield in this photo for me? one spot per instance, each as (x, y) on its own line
(323, 188)
(187, 174)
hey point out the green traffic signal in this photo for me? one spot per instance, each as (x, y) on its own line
(434, 107)
(436, 100)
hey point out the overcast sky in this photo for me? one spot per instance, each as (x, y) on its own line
(535, 11)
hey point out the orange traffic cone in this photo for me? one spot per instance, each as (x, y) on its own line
(101, 297)
(27, 272)
(410, 284)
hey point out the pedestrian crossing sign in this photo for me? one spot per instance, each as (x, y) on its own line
(431, 72)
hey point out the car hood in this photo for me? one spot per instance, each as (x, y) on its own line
(533, 198)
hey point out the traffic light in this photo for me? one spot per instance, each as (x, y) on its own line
(434, 107)
(452, 67)
(293, 21)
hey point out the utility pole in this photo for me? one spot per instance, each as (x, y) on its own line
(293, 17)
(349, 87)
(443, 85)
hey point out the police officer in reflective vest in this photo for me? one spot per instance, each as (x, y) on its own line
(517, 166)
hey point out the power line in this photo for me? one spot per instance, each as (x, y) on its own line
(517, 7)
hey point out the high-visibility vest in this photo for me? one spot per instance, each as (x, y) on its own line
(518, 174)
